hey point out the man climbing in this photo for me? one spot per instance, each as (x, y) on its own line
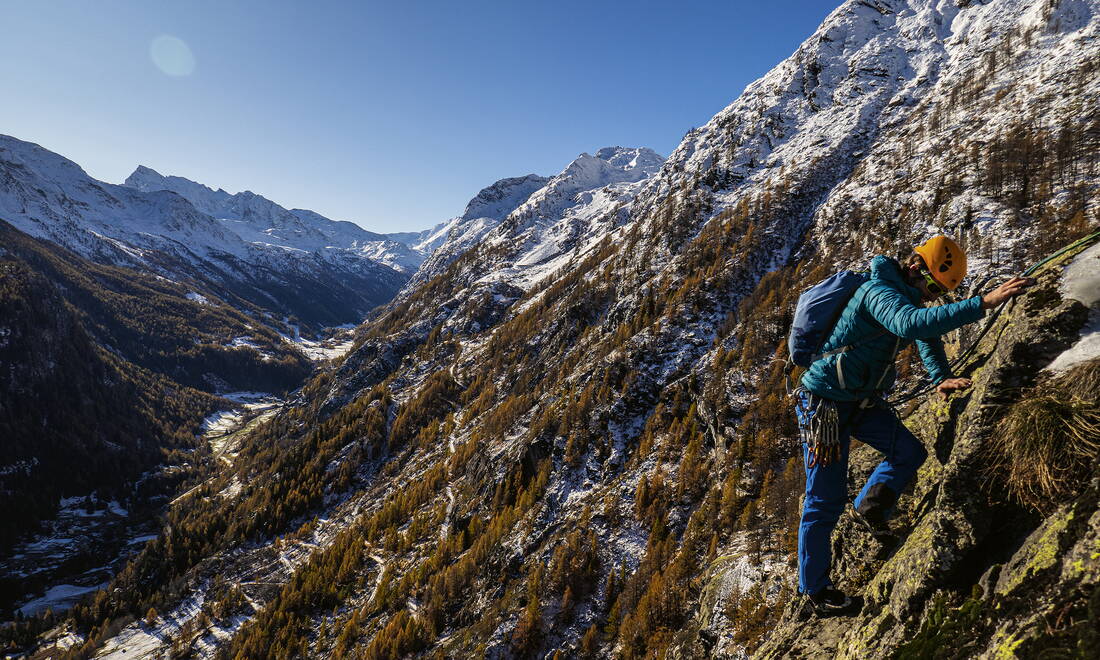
(841, 391)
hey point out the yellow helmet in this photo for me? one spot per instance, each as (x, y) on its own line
(945, 261)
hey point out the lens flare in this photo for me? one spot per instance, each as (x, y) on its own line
(172, 56)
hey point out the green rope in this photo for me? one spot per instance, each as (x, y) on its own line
(1079, 242)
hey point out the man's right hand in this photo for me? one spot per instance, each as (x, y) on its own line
(1009, 289)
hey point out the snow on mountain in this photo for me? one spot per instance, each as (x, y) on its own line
(810, 118)
(484, 212)
(201, 197)
(632, 398)
(51, 197)
(571, 213)
(260, 252)
(610, 166)
(539, 222)
(1024, 55)
(258, 220)
(409, 238)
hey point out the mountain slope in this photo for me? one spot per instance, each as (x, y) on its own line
(526, 228)
(76, 417)
(163, 326)
(448, 240)
(602, 463)
(97, 396)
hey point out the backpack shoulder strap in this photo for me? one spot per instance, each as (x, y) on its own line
(861, 291)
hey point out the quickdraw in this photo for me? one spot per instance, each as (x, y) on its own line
(819, 426)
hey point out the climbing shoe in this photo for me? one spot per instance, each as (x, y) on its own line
(873, 522)
(829, 601)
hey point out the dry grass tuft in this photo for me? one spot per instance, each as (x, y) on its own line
(1047, 445)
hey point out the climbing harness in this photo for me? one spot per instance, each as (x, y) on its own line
(818, 419)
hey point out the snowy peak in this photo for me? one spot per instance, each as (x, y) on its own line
(861, 72)
(540, 222)
(49, 196)
(501, 198)
(247, 206)
(610, 166)
(205, 199)
(38, 160)
(268, 257)
(260, 221)
(484, 212)
(643, 161)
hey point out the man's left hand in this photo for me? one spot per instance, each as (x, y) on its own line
(951, 384)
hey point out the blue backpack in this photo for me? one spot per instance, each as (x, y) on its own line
(818, 310)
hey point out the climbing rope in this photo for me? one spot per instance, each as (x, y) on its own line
(966, 354)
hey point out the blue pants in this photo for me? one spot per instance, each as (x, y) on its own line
(827, 485)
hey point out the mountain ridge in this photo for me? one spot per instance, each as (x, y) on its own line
(257, 219)
(531, 220)
(49, 196)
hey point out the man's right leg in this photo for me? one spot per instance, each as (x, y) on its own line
(903, 455)
(826, 496)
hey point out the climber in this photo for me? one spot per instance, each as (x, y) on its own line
(841, 397)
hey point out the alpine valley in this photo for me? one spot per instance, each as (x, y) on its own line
(556, 425)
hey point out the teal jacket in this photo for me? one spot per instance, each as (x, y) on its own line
(881, 318)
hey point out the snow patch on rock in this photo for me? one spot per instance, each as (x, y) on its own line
(1081, 282)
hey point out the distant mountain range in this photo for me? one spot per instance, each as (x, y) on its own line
(318, 271)
(257, 220)
(244, 247)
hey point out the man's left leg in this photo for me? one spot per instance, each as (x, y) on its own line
(880, 428)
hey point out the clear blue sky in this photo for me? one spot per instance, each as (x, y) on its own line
(389, 114)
